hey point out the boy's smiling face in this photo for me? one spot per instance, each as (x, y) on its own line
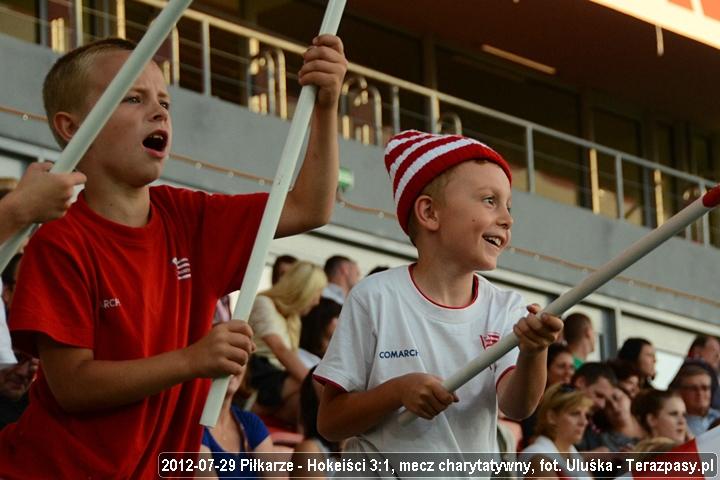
(133, 144)
(474, 215)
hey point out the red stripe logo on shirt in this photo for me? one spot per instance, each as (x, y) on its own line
(183, 267)
(489, 339)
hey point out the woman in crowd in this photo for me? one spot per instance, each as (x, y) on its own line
(560, 369)
(559, 364)
(662, 414)
(620, 429)
(561, 422)
(641, 354)
(276, 370)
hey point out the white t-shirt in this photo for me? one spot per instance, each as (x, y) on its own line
(388, 328)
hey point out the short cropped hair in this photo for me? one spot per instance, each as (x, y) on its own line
(333, 264)
(575, 326)
(686, 371)
(594, 371)
(65, 86)
(701, 341)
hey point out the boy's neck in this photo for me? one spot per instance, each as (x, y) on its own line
(126, 206)
(442, 283)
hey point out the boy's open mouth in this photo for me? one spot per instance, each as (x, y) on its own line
(493, 240)
(156, 141)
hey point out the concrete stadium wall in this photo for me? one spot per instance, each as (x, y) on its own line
(220, 133)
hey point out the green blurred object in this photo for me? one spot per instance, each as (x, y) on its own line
(346, 179)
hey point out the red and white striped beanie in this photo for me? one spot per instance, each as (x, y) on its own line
(413, 159)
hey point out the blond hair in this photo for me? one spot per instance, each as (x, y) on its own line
(66, 84)
(558, 398)
(649, 448)
(294, 292)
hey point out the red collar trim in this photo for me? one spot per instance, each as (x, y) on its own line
(475, 290)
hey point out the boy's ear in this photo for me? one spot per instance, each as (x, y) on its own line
(65, 124)
(425, 213)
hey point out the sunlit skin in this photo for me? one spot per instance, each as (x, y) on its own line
(569, 426)
(123, 169)
(476, 205)
(669, 421)
(561, 369)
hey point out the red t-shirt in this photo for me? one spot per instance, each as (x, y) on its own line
(125, 293)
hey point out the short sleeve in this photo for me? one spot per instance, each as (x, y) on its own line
(349, 356)
(255, 429)
(263, 317)
(516, 309)
(229, 225)
(53, 294)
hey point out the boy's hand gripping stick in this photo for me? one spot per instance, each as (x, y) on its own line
(105, 106)
(592, 282)
(271, 215)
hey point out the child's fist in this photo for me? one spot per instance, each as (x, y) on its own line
(324, 66)
(536, 333)
(42, 196)
(424, 394)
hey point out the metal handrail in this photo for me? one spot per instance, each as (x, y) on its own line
(265, 60)
(430, 93)
(356, 92)
(435, 100)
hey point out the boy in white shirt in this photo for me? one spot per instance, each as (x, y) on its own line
(404, 330)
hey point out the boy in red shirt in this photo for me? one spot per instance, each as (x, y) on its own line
(117, 297)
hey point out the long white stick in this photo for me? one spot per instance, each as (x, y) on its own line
(103, 109)
(271, 216)
(592, 282)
